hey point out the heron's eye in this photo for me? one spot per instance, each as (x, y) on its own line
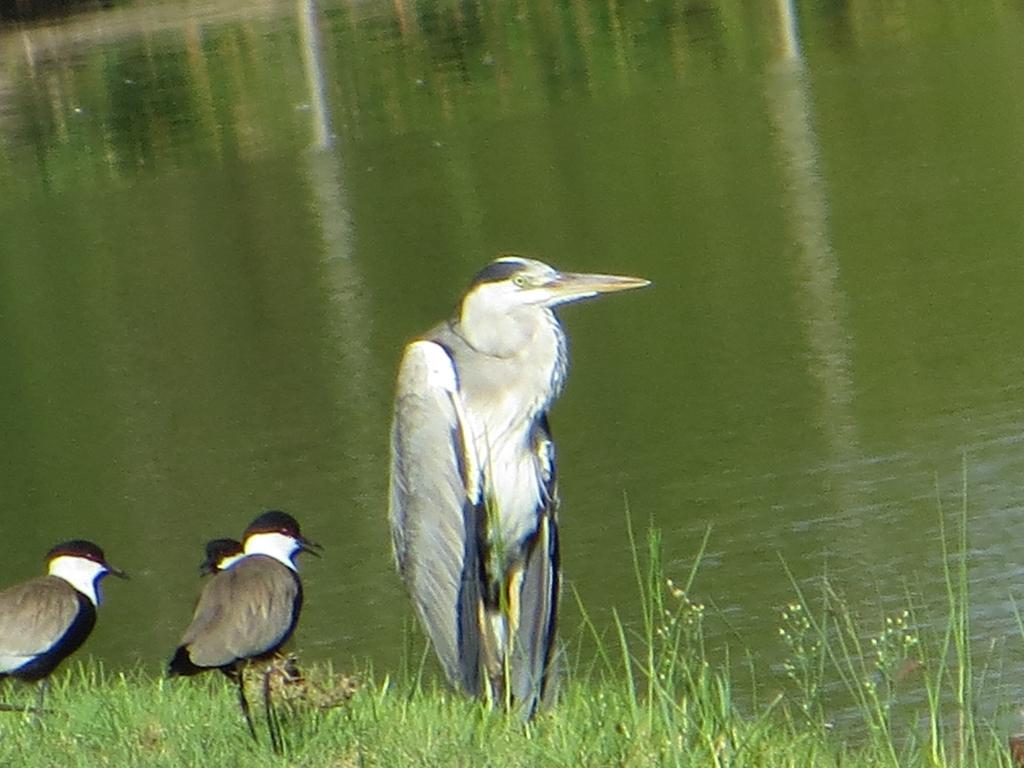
(519, 281)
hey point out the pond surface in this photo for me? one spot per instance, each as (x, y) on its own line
(220, 222)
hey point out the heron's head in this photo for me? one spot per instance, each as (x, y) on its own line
(511, 282)
(512, 297)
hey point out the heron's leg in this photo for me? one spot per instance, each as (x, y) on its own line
(273, 728)
(239, 678)
(492, 635)
(533, 612)
(512, 608)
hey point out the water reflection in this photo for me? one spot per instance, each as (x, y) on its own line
(309, 35)
(819, 295)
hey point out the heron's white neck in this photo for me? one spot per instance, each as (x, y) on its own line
(81, 573)
(501, 331)
(276, 545)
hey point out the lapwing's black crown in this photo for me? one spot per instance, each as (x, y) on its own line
(218, 549)
(78, 548)
(275, 521)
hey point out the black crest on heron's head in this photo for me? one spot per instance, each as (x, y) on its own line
(274, 521)
(502, 268)
(77, 548)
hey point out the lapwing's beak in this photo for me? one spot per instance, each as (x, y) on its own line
(114, 571)
(305, 545)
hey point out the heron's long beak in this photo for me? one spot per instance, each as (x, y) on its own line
(573, 286)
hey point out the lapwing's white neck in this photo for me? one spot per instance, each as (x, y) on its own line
(276, 545)
(81, 573)
(227, 562)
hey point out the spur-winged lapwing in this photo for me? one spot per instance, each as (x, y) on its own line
(46, 619)
(221, 554)
(249, 610)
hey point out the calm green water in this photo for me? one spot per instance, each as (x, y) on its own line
(218, 230)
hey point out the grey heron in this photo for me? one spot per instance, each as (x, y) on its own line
(473, 498)
(46, 619)
(248, 610)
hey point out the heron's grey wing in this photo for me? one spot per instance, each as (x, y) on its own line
(532, 670)
(244, 611)
(33, 617)
(435, 514)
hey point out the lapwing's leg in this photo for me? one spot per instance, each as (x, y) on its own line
(9, 707)
(43, 686)
(273, 727)
(243, 702)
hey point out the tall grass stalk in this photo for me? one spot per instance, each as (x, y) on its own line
(958, 637)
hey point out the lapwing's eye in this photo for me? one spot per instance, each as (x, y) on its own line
(519, 281)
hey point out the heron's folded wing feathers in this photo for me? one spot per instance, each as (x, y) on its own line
(532, 671)
(434, 494)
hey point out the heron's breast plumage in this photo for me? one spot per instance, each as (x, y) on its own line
(503, 398)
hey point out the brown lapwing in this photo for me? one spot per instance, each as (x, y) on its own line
(46, 619)
(221, 554)
(249, 610)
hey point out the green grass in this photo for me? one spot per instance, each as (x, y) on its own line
(652, 695)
